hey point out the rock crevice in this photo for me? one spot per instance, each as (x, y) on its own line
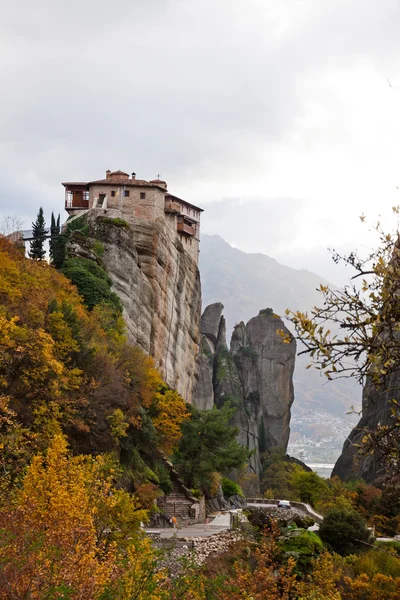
(254, 374)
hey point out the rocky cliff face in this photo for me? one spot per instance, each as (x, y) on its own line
(376, 408)
(254, 374)
(158, 284)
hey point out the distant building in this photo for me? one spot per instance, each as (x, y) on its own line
(137, 199)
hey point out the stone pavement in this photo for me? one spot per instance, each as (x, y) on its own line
(220, 523)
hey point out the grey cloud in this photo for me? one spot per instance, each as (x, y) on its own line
(164, 85)
(254, 225)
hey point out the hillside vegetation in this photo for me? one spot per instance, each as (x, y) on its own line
(85, 424)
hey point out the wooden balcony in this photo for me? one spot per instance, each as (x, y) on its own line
(185, 228)
(76, 198)
(172, 207)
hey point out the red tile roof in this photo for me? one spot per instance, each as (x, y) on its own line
(169, 196)
(121, 181)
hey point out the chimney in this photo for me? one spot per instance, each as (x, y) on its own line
(133, 176)
(108, 173)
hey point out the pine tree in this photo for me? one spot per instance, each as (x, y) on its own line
(37, 251)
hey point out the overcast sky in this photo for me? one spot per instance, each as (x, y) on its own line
(276, 117)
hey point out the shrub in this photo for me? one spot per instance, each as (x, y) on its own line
(118, 222)
(98, 248)
(303, 545)
(344, 531)
(92, 282)
(230, 488)
(268, 312)
(79, 224)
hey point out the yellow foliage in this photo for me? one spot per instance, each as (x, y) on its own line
(171, 412)
(49, 540)
(322, 583)
(67, 529)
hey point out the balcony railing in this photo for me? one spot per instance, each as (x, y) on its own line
(172, 207)
(185, 228)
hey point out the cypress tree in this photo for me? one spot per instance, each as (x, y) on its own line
(37, 251)
(57, 244)
(54, 232)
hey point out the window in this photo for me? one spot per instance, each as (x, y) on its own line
(68, 199)
(86, 196)
(126, 193)
(113, 193)
(142, 195)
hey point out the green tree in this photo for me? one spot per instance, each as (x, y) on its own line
(344, 531)
(54, 245)
(310, 486)
(208, 445)
(39, 232)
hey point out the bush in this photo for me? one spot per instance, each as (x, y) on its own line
(303, 546)
(373, 562)
(230, 488)
(79, 224)
(344, 531)
(118, 222)
(268, 312)
(92, 282)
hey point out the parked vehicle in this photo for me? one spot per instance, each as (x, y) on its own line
(284, 504)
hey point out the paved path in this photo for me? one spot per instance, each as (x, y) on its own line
(220, 523)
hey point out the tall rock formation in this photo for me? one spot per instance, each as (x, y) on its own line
(376, 409)
(254, 374)
(158, 284)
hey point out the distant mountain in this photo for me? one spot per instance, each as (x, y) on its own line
(246, 283)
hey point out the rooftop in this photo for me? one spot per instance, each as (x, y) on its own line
(117, 178)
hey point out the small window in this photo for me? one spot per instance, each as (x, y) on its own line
(126, 193)
(86, 196)
(142, 195)
(113, 193)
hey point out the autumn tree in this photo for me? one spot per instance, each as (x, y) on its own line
(48, 542)
(356, 333)
(263, 577)
(39, 233)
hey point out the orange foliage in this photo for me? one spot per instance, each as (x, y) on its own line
(65, 369)
(378, 587)
(268, 580)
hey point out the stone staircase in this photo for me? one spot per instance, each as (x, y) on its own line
(180, 503)
(177, 504)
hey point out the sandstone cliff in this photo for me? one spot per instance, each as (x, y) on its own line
(158, 284)
(254, 374)
(376, 408)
